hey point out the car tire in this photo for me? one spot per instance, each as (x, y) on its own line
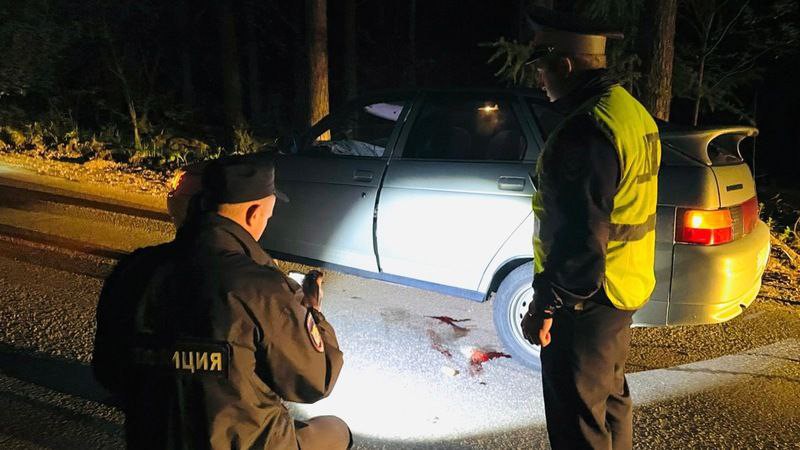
(510, 303)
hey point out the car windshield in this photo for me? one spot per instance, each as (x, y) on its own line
(363, 131)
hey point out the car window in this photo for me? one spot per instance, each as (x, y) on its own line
(361, 131)
(466, 128)
(546, 116)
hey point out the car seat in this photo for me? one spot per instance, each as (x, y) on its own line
(506, 145)
(458, 144)
(449, 142)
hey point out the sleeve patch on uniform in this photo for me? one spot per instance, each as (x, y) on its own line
(314, 334)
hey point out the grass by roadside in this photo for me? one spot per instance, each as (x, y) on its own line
(120, 175)
(58, 147)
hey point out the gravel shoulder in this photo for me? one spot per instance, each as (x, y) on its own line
(106, 173)
(773, 317)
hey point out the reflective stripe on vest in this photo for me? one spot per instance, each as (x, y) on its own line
(633, 231)
(630, 253)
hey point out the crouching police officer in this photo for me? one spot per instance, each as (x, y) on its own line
(203, 338)
(594, 251)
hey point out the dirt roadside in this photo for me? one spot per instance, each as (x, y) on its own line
(95, 171)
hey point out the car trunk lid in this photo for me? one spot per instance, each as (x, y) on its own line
(718, 149)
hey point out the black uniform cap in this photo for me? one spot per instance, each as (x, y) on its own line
(567, 34)
(240, 179)
(540, 19)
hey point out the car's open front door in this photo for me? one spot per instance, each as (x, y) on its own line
(332, 183)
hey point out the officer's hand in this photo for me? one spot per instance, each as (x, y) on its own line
(536, 329)
(312, 290)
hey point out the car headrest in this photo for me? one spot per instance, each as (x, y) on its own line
(506, 145)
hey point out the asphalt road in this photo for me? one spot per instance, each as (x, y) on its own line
(409, 380)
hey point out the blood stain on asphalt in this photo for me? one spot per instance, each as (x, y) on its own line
(479, 357)
(438, 345)
(452, 322)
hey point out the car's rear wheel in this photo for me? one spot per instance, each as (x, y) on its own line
(510, 304)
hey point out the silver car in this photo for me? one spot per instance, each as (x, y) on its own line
(433, 189)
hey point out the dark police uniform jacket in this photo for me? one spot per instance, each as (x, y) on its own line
(578, 184)
(202, 338)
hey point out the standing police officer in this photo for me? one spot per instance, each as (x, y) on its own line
(203, 338)
(594, 249)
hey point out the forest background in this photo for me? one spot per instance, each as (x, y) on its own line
(163, 83)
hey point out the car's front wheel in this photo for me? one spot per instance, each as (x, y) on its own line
(510, 304)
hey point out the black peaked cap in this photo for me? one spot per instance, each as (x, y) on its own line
(240, 178)
(539, 18)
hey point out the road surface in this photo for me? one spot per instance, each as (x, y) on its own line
(410, 380)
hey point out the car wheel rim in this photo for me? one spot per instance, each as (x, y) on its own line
(517, 309)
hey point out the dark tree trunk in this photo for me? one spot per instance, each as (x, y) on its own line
(317, 35)
(523, 28)
(254, 82)
(350, 50)
(253, 69)
(185, 58)
(116, 69)
(187, 86)
(701, 70)
(299, 69)
(231, 81)
(698, 96)
(412, 43)
(657, 50)
(137, 139)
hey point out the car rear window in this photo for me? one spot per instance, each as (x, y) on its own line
(724, 150)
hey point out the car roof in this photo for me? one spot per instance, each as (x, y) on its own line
(668, 129)
(408, 92)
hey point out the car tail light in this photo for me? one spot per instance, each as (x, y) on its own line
(176, 180)
(703, 227)
(749, 215)
(695, 226)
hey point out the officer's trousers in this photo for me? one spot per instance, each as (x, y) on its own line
(586, 397)
(323, 433)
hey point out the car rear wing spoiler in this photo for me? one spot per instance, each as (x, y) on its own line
(695, 143)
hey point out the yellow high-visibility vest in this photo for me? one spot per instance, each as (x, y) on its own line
(630, 257)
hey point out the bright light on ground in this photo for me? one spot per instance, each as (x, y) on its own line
(396, 386)
(378, 402)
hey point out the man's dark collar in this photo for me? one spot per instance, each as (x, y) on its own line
(594, 83)
(232, 238)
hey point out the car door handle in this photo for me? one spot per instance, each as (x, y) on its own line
(511, 183)
(362, 175)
